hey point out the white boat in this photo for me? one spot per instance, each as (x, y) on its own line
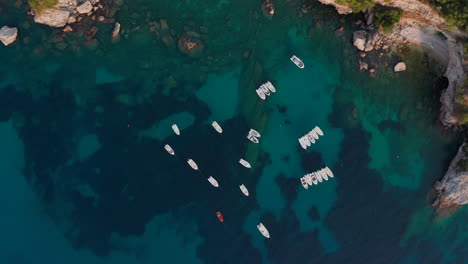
(253, 139)
(310, 138)
(319, 176)
(254, 133)
(313, 133)
(318, 130)
(308, 179)
(263, 230)
(307, 141)
(169, 149)
(213, 181)
(270, 87)
(244, 190)
(245, 163)
(329, 172)
(261, 94)
(192, 164)
(302, 142)
(176, 129)
(304, 183)
(265, 89)
(324, 174)
(297, 61)
(314, 178)
(217, 127)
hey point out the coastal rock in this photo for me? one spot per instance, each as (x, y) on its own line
(8, 35)
(52, 17)
(452, 190)
(341, 9)
(359, 39)
(116, 31)
(190, 46)
(84, 8)
(363, 66)
(401, 66)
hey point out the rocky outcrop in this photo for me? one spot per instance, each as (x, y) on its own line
(8, 35)
(452, 189)
(341, 9)
(401, 66)
(65, 12)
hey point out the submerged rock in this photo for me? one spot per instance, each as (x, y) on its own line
(401, 66)
(116, 31)
(452, 190)
(190, 46)
(8, 35)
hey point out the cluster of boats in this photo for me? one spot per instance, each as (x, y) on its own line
(316, 177)
(311, 136)
(253, 136)
(265, 90)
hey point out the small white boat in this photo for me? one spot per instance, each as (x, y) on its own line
(324, 174)
(297, 61)
(302, 142)
(328, 172)
(244, 190)
(310, 138)
(261, 94)
(270, 87)
(253, 139)
(254, 133)
(169, 149)
(176, 129)
(245, 163)
(263, 230)
(313, 133)
(217, 127)
(192, 164)
(318, 130)
(304, 183)
(319, 176)
(314, 178)
(213, 181)
(307, 141)
(265, 89)
(308, 179)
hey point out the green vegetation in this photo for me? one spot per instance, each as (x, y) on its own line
(39, 5)
(386, 17)
(357, 5)
(454, 11)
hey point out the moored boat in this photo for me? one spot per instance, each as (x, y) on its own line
(217, 127)
(263, 230)
(319, 176)
(220, 216)
(245, 163)
(213, 181)
(324, 174)
(302, 142)
(260, 93)
(244, 190)
(308, 179)
(313, 133)
(304, 183)
(314, 178)
(265, 89)
(254, 132)
(192, 164)
(270, 86)
(176, 129)
(318, 130)
(297, 61)
(329, 172)
(310, 138)
(169, 149)
(253, 139)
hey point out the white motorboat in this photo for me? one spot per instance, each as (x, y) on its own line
(261, 94)
(313, 133)
(244, 190)
(297, 61)
(245, 163)
(304, 183)
(213, 181)
(302, 142)
(169, 149)
(270, 86)
(217, 127)
(308, 179)
(328, 172)
(314, 178)
(265, 89)
(254, 133)
(319, 176)
(318, 130)
(307, 141)
(253, 139)
(176, 129)
(263, 230)
(192, 164)
(324, 174)
(310, 138)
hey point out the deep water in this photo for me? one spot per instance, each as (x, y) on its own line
(85, 177)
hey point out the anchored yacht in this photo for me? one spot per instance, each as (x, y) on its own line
(169, 149)
(313, 133)
(310, 138)
(254, 133)
(253, 139)
(314, 178)
(270, 86)
(324, 174)
(304, 183)
(192, 164)
(261, 94)
(244, 190)
(217, 127)
(318, 130)
(329, 172)
(176, 129)
(245, 163)
(319, 176)
(308, 179)
(213, 181)
(263, 230)
(297, 61)
(302, 142)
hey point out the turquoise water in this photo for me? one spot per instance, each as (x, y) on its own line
(86, 178)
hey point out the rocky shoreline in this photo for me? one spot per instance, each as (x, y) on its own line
(421, 25)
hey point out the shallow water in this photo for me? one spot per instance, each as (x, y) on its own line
(87, 180)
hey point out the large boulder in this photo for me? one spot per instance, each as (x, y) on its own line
(359, 39)
(52, 17)
(84, 8)
(8, 35)
(401, 66)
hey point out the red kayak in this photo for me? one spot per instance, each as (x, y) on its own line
(220, 216)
